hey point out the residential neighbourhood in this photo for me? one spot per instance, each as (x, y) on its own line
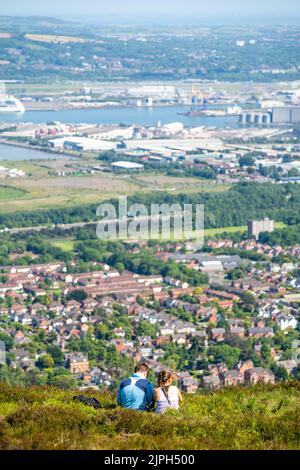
(230, 332)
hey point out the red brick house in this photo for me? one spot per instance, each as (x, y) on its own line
(218, 334)
(243, 366)
(78, 363)
(232, 378)
(259, 375)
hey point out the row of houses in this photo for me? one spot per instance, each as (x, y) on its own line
(244, 373)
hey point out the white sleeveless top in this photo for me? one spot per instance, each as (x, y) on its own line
(163, 404)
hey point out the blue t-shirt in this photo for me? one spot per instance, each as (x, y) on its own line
(135, 393)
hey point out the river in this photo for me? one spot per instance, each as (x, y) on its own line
(14, 153)
(118, 115)
(128, 116)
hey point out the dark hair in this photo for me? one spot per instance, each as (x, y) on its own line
(142, 367)
(163, 377)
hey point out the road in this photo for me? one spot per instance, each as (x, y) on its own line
(39, 228)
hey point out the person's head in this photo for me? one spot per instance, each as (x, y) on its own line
(165, 378)
(142, 369)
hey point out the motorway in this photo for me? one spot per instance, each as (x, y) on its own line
(39, 228)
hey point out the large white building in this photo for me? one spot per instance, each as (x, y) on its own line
(286, 321)
(255, 227)
(173, 128)
(154, 91)
(127, 166)
(82, 144)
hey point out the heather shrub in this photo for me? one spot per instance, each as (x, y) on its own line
(261, 417)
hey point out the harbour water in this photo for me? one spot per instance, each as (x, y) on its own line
(121, 115)
(14, 153)
(107, 116)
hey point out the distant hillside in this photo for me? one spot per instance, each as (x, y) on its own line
(263, 417)
(21, 20)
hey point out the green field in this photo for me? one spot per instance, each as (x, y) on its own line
(42, 189)
(65, 244)
(261, 417)
(177, 184)
(45, 192)
(8, 193)
(211, 232)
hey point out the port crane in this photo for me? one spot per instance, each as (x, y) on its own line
(198, 101)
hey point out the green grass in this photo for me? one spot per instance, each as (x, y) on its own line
(211, 232)
(40, 191)
(65, 244)
(261, 417)
(43, 192)
(7, 193)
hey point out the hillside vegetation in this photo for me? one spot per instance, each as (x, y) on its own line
(261, 417)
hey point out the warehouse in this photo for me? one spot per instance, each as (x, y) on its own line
(127, 166)
(287, 115)
(82, 144)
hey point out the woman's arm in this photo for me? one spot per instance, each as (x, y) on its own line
(179, 395)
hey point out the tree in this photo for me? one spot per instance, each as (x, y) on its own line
(12, 376)
(120, 267)
(236, 273)
(248, 301)
(79, 295)
(140, 300)
(103, 331)
(61, 378)
(7, 340)
(56, 354)
(146, 328)
(266, 353)
(296, 373)
(280, 372)
(198, 291)
(246, 160)
(225, 353)
(45, 362)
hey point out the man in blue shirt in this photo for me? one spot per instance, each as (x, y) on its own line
(136, 392)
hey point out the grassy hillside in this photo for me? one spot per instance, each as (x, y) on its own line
(262, 417)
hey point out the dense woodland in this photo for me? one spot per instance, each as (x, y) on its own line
(232, 208)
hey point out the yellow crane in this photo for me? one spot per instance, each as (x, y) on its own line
(197, 97)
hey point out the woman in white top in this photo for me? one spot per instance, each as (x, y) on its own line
(166, 395)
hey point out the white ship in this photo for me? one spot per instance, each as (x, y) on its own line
(234, 110)
(10, 104)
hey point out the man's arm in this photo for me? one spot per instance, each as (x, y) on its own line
(119, 398)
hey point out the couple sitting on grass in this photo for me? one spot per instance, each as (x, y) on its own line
(137, 393)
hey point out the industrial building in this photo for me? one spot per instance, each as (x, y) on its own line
(80, 144)
(286, 115)
(127, 166)
(256, 117)
(255, 227)
(278, 115)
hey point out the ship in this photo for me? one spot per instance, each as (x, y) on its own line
(10, 104)
(230, 111)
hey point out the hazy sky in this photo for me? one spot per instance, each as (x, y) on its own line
(153, 7)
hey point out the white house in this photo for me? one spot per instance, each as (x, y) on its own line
(286, 321)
